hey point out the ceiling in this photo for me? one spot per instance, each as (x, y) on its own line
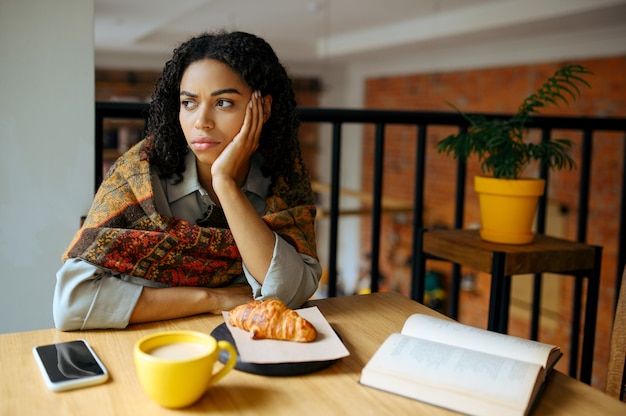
(142, 33)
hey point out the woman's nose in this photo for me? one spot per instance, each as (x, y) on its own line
(204, 121)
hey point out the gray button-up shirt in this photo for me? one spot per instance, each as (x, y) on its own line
(87, 296)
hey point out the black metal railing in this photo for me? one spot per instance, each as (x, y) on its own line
(422, 120)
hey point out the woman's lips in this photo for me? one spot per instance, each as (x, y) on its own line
(204, 143)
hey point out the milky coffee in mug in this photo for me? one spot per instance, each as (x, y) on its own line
(176, 368)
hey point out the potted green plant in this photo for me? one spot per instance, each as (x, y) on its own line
(504, 151)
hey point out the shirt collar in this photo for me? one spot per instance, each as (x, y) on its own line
(255, 182)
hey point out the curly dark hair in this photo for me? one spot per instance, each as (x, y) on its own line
(254, 60)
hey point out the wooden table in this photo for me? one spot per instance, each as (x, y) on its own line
(363, 321)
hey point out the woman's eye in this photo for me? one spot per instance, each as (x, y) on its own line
(223, 103)
(187, 104)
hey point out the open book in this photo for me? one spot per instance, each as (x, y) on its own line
(466, 369)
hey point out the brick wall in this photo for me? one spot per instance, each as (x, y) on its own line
(500, 90)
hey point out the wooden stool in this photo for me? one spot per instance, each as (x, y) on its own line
(545, 254)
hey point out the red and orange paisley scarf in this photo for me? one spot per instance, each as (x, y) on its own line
(123, 231)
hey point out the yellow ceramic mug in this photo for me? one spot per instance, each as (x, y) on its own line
(175, 368)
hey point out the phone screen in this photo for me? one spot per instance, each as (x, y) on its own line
(69, 361)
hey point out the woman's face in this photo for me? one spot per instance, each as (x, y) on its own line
(213, 101)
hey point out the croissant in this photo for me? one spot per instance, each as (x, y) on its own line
(273, 320)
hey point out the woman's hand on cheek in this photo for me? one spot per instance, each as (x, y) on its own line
(234, 161)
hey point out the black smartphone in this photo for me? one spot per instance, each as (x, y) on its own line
(69, 365)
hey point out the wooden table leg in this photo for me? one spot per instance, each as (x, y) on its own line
(591, 312)
(496, 296)
(503, 325)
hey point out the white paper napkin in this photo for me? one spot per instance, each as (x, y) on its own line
(327, 346)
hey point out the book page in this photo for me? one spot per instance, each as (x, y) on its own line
(457, 334)
(463, 380)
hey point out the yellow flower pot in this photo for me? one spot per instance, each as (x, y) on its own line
(508, 208)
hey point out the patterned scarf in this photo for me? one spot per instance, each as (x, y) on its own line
(124, 232)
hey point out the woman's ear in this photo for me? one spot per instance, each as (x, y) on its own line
(267, 107)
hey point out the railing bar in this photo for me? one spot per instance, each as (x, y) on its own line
(459, 209)
(334, 210)
(418, 283)
(420, 177)
(585, 178)
(621, 236)
(99, 150)
(330, 115)
(310, 114)
(379, 157)
(583, 213)
(541, 229)
(459, 198)
(544, 173)
(575, 329)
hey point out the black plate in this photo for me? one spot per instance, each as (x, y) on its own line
(278, 369)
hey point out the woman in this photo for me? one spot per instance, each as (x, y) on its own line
(213, 209)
